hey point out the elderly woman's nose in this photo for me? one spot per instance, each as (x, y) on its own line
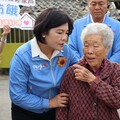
(90, 50)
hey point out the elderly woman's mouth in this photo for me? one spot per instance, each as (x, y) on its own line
(90, 59)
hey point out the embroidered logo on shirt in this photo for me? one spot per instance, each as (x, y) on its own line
(39, 67)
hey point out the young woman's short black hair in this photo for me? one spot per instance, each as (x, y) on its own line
(51, 18)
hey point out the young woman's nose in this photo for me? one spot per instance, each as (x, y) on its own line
(65, 37)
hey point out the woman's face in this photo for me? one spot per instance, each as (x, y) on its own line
(94, 51)
(56, 37)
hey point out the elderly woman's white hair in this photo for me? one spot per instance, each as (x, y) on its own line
(99, 29)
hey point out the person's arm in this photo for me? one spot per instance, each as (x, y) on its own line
(74, 39)
(19, 88)
(107, 92)
(6, 31)
(62, 112)
(114, 54)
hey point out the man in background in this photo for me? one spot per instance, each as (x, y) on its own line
(97, 14)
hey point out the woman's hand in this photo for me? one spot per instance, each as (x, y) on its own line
(6, 31)
(60, 100)
(83, 74)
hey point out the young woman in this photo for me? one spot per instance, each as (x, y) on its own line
(38, 66)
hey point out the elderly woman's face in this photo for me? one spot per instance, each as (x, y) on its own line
(94, 51)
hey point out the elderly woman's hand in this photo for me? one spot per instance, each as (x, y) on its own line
(60, 100)
(83, 74)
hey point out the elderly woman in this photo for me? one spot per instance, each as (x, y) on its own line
(93, 84)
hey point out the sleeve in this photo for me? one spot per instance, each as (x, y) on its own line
(19, 86)
(72, 41)
(115, 56)
(62, 113)
(108, 92)
(72, 57)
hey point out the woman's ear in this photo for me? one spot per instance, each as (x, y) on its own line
(108, 6)
(106, 51)
(43, 35)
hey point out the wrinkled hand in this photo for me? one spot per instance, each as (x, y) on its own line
(6, 30)
(60, 100)
(83, 74)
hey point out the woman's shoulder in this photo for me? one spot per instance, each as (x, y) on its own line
(24, 48)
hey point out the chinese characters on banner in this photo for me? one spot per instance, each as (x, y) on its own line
(10, 14)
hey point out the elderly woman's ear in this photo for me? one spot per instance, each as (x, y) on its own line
(106, 50)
